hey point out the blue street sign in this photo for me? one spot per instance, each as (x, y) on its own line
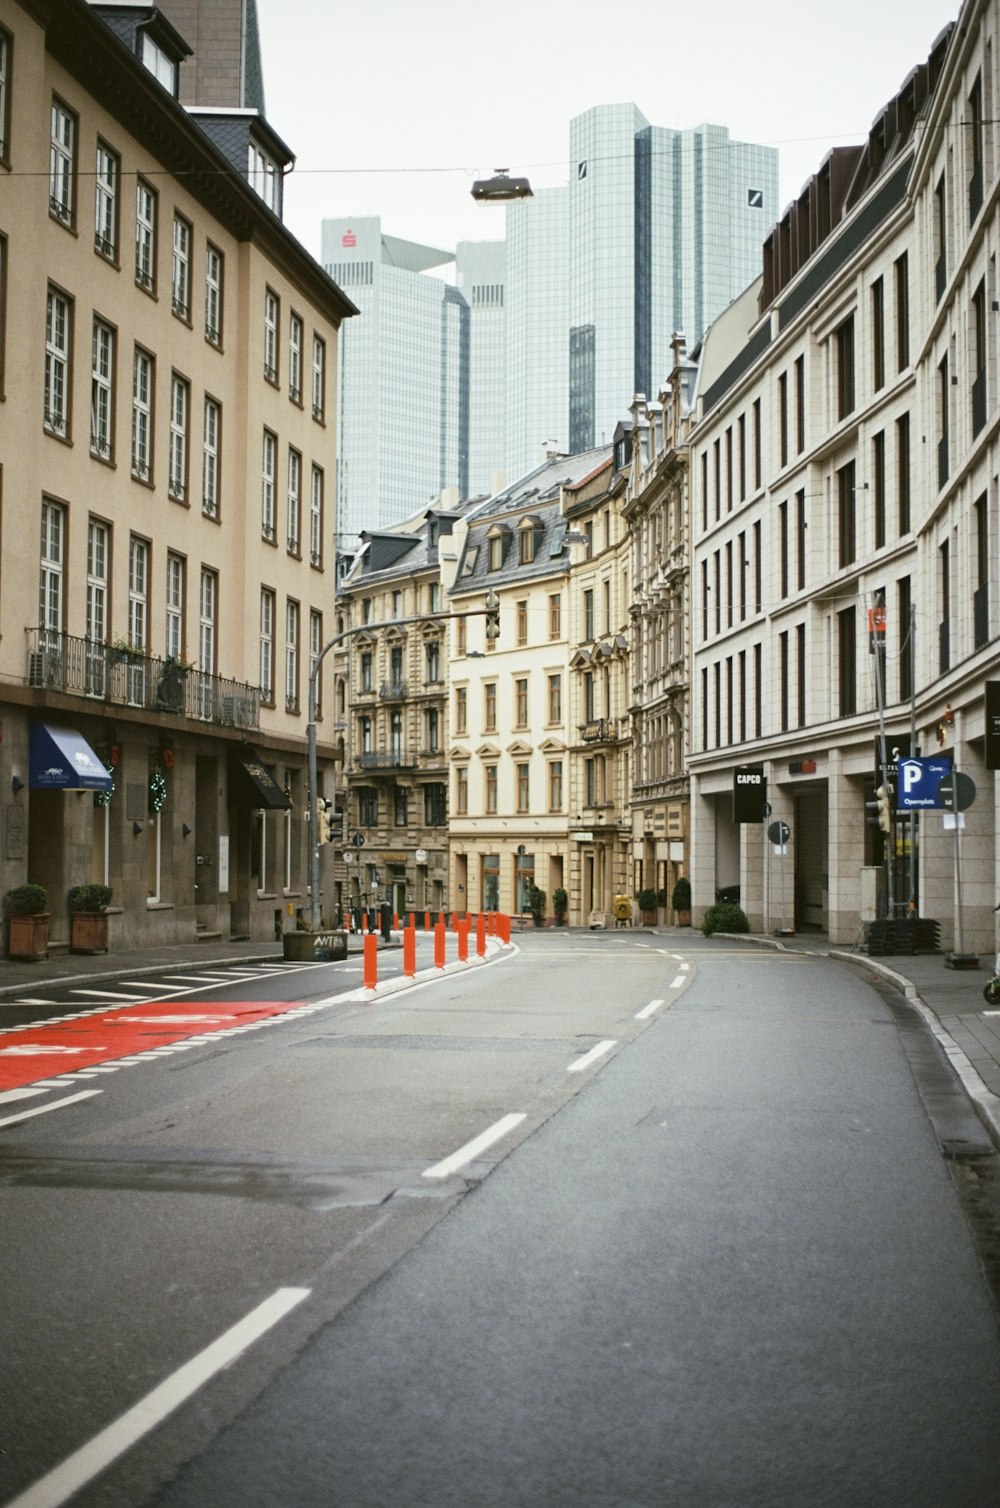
(918, 786)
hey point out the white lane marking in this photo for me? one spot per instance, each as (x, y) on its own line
(107, 995)
(685, 967)
(202, 1018)
(84, 1464)
(676, 982)
(30, 1000)
(192, 979)
(647, 1010)
(139, 984)
(19, 1094)
(579, 1064)
(43, 1050)
(27, 1115)
(472, 1149)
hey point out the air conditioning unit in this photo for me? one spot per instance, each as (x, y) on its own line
(44, 668)
(237, 711)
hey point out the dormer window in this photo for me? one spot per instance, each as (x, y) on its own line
(160, 64)
(264, 176)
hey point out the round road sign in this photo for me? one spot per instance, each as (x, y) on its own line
(779, 833)
(957, 792)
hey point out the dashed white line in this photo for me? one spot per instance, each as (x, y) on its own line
(9, 1095)
(472, 1149)
(579, 1064)
(27, 1115)
(84, 1464)
(647, 1010)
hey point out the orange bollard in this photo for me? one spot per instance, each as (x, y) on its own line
(410, 951)
(395, 921)
(364, 920)
(503, 927)
(439, 945)
(413, 920)
(481, 935)
(371, 961)
(463, 941)
(427, 921)
(492, 923)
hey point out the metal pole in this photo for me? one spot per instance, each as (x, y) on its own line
(913, 755)
(890, 836)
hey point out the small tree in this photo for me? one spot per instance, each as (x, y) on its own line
(646, 900)
(680, 897)
(536, 902)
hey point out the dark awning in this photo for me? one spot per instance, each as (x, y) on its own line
(251, 782)
(60, 759)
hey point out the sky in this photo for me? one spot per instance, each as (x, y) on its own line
(394, 107)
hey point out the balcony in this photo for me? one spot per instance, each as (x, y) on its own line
(393, 760)
(599, 730)
(129, 678)
(392, 691)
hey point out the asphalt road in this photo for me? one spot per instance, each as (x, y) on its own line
(718, 1259)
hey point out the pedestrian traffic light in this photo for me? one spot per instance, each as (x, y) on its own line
(883, 797)
(324, 821)
(492, 616)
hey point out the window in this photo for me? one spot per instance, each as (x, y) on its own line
(319, 378)
(51, 586)
(180, 270)
(461, 632)
(366, 670)
(367, 807)
(904, 616)
(903, 472)
(315, 647)
(783, 419)
(555, 698)
(757, 443)
(940, 238)
(462, 790)
(844, 339)
(974, 140)
(490, 776)
(783, 681)
(522, 774)
(268, 463)
(266, 666)
(461, 709)
(521, 702)
(878, 487)
(432, 656)
(271, 308)
(213, 295)
(138, 593)
(527, 547)
(98, 549)
(555, 785)
(521, 621)
(365, 730)
(800, 405)
(210, 459)
(62, 163)
(101, 390)
(5, 49)
(878, 335)
(160, 65)
(847, 687)
(783, 548)
(180, 398)
(588, 613)
(846, 516)
(434, 597)
(264, 176)
(902, 281)
(145, 236)
(435, 805)
(555, 615)
(294, 501)
(432, 723)
(291, 655)
(316, 517)
(495, 552)
(106, 202)
(174, 631)
(800, 649)
(979, 357)
(490, 707)
(295, 358)
(401, 806)
(57, 363)
(943, 405)
(589, 704)
(207, 606)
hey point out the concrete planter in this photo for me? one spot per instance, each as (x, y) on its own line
(312, 947)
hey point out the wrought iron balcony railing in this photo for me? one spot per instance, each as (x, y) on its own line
(395, 760)
(130, 678)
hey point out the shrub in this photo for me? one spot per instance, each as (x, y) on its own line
(560, 901)
(680, 897)
(646, 900)
(724, 917)
(26, 900)
(536, 900)
(89, 897)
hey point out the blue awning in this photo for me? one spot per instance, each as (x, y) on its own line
(60, 759)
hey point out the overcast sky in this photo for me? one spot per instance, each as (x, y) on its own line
(393, 107)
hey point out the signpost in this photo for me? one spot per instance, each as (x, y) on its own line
(779, 833)
(957, 793)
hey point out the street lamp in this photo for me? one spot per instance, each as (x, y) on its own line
(501, 188)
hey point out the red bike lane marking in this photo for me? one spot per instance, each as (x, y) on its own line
(41, 1052)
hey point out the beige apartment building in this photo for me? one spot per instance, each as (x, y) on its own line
(167, 420)
(392, 827)
(844, 523)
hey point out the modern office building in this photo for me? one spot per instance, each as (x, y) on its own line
(404, 404)
(481, 274)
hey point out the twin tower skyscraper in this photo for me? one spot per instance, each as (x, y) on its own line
(541, 340)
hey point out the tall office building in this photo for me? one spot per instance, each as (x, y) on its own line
(404, 403)
(545, 338)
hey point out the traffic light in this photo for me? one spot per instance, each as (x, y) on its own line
(324, 821)
(492, 616)
(883, 798)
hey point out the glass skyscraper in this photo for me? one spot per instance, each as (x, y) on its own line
(545, 338)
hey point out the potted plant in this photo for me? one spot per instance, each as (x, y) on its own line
(680, 899)
(536, 903)
(27, 908)
(646, 900)
(88, 907)
(560, 905)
